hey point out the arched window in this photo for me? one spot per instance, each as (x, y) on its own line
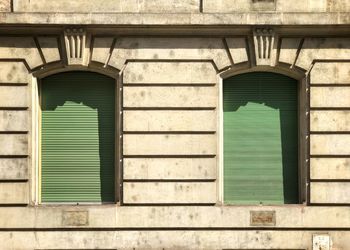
(77, 137)
(260, 116)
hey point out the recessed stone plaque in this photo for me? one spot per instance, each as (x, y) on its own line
(262, 218)
(263, 5)
(75, 218)
(320, 242)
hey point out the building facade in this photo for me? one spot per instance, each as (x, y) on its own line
(194, 124)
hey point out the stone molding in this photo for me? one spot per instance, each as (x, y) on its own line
(75, 40)
(264, 39)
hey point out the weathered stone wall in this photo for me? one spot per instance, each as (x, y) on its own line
(185, 6)
(171, 160)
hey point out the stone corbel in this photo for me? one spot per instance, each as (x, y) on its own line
(77, 46)
(264, 42)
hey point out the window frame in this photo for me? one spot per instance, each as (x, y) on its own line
(303, 128)
(35, 185)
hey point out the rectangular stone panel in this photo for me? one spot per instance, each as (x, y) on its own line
(330, 73)
(330, 168)
(13, 144)
(330, 97)
(14, 120)
(169, 192)
(169, 120)
(13, 72)
(170, 96)
(330, 144)
(14, 96)
(327, 120)
(169, 73)
(330, 192)
(14, 193)
(169, 168)
(13, 168)
(212, 6)
(168, 144)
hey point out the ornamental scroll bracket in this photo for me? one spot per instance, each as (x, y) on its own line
(77, 46)
(264, 45)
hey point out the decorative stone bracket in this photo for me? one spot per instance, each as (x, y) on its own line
(76, 44)
(264, 39)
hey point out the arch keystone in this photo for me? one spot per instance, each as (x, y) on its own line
(77, 46)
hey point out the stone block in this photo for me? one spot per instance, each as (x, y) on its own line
(330, 73)
(169, 192)
(5, 5)
(14, 96)
(13, 72)
(14, 193)
(169, 73)
(336, 97)
(13, 144)
(49, 47)
(13, 168)
(101, 49)
(168, 144)
(330, 144)
(330, 192)
(289, 49)
(330, 168)
(14, 120)
(330, 120)
(238, 49)
(170, 120)
(169, 168)
(170, 97)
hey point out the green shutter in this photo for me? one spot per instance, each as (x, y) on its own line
(260, 139)
(77, 137)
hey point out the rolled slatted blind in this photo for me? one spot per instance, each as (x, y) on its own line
(260, 139)
(78, 138)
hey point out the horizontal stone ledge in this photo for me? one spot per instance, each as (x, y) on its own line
(171, 239)
(202, 19)
(113, 216)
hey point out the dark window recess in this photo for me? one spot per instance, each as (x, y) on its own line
(260, 139)
(78, 138)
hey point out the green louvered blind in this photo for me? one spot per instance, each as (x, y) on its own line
(260, 139)
(77, 137)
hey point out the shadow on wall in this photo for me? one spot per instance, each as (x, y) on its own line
(78, 135)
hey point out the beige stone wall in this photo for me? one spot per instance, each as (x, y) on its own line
(187, 6)
(171, 144)
(14, 130)
(329, 131)
(225, 6)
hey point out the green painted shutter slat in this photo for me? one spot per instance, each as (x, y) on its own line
(77, 135)
(260, 139)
